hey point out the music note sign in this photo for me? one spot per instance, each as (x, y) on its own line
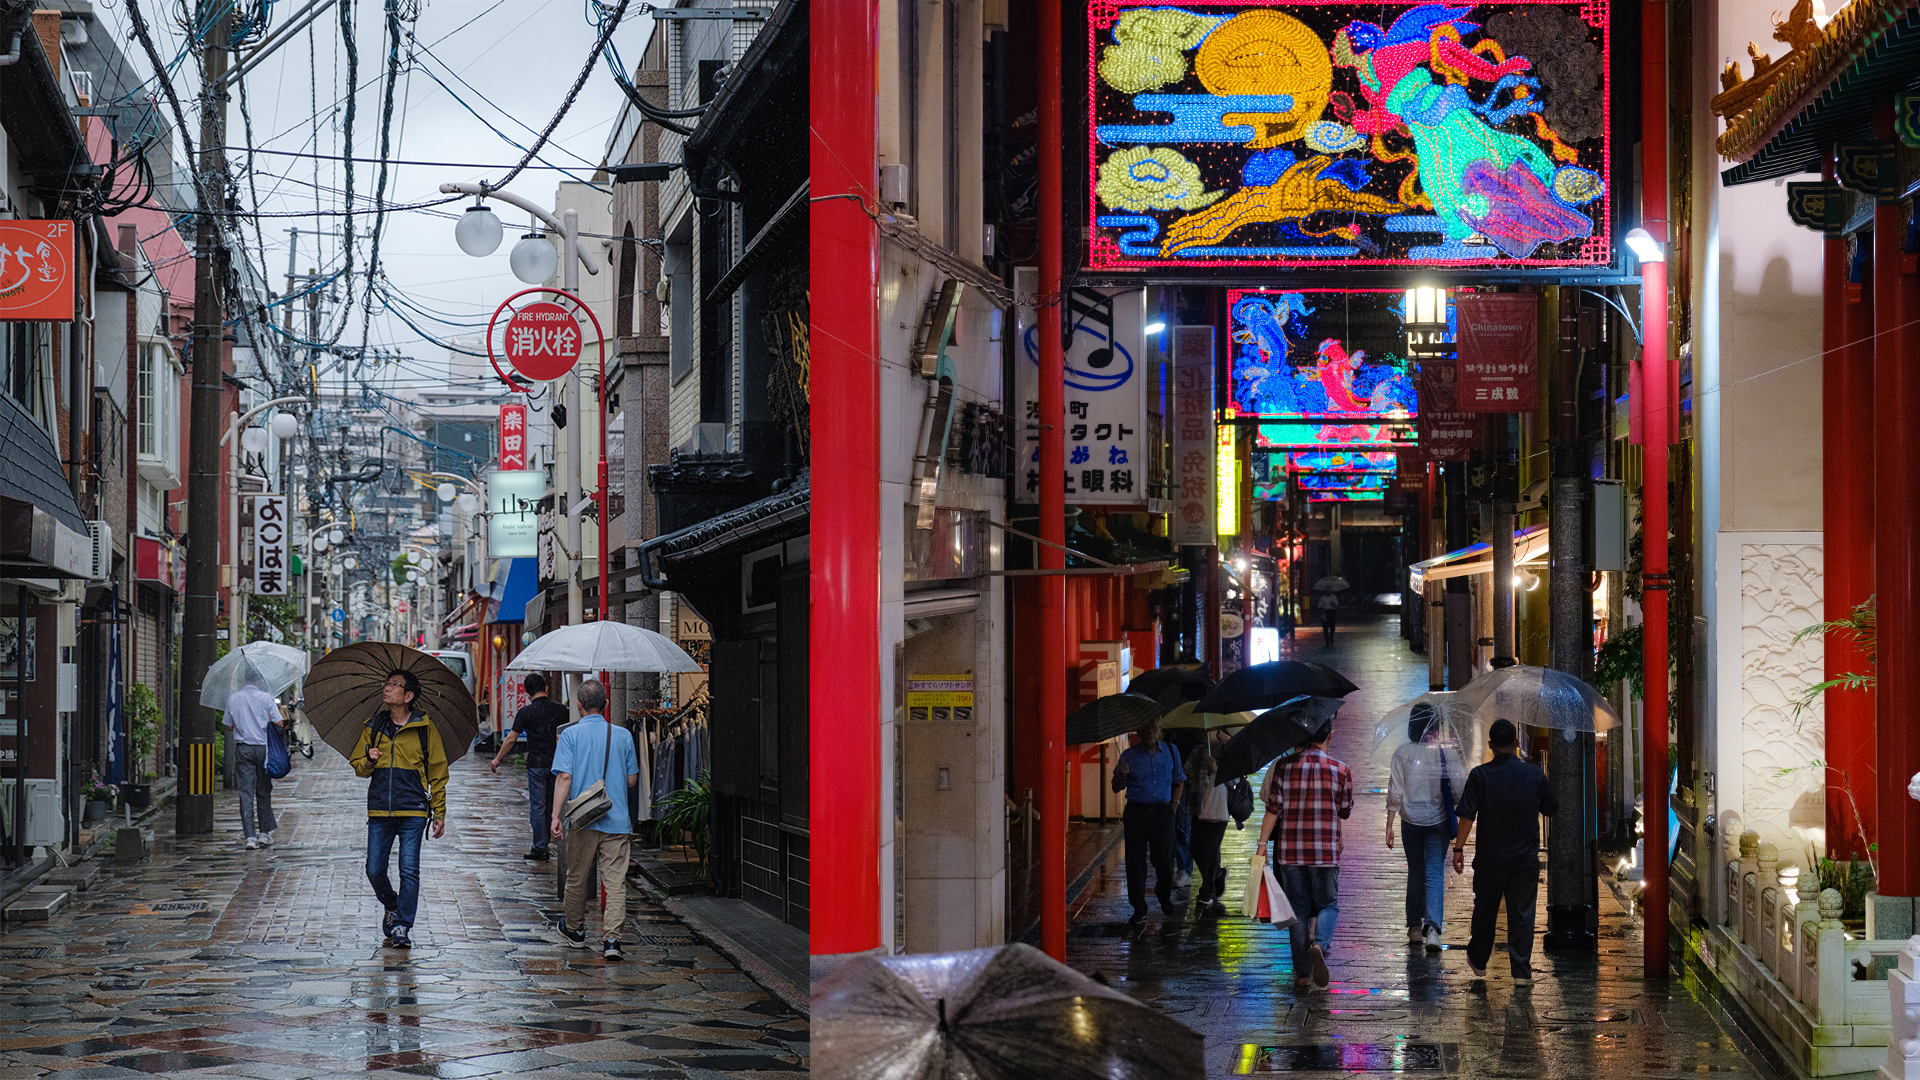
(1105, 378)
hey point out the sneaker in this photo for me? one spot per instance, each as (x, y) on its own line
(1139, 920)
(1414, 937)
(575, 939)
(1523, 980)
(252, 844)
(1183, 880)
(266, 839)
(1433, 938)
(400, 938)
(536, 854)
(1478, 972)
(388, 921)
(610, 950)
(1320, 974)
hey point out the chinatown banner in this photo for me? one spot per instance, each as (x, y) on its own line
(1447, 433)
(1499, 348)
(1106, 401)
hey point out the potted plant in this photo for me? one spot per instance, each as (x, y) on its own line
(143, 733)
(99, 796)
(690, 809)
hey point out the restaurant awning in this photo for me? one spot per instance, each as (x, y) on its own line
(1529, 546)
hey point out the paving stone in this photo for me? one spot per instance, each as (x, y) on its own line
(78, 878)
(37, 905)
(206, 959)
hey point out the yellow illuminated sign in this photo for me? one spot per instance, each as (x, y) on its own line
(1226, 472)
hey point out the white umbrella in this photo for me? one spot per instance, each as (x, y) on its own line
(603, 646)
(272, 667)
(1457, 722)
(1539, 697)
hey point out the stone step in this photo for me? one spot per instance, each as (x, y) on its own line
(38, 905)
(78, 878)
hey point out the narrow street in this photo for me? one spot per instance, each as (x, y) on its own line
(208, 959)
(1389, 1009)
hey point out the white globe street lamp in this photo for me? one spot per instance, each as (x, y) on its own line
(533, 259)
(254, 440)
(284, 425)
(478, 232)
(446, 491)
(466, 503)
(337, 536)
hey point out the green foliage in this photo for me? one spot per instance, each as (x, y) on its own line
(691, 810)
(1861, 627)
(1619, 658)
(272, 618)
(143, 729)
(1853, 879)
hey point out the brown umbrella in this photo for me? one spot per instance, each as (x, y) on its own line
(343, 694)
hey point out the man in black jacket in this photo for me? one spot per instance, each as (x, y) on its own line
(1508, 796)
(538, 722)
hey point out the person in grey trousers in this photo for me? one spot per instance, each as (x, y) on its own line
(250, 711)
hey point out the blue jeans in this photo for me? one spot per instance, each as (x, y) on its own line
(540, 806)
(381, 833)
(1314, 892)
(1426, 873)
(1182, 839)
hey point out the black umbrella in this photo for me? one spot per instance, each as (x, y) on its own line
(1172, 686)
(1271, 734)
(1264, 686)
(989, 1014)
(343, 694)
(1116, 714)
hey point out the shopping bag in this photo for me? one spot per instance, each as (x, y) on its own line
(1279, 911)
(278, 763)
(1250, 896)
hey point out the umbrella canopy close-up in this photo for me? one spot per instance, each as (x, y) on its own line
(1264, 686)
(1188, 717)
(1104, 718)
(603, 646)
(1453, 721)
(989, 1014)
(343, 694)
(1172, 686)
(267, 664)
(1271, 734)
(1539, 697)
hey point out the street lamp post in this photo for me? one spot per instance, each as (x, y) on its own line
(1656, 431)
(236, 424)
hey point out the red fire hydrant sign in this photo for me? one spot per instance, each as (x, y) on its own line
(36, 271)
(543, 341)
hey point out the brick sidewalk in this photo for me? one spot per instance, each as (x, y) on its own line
(212, 960)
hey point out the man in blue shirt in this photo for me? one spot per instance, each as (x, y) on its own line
(1150, 773)
(588, 752)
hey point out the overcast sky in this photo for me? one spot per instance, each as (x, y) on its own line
(519, 57)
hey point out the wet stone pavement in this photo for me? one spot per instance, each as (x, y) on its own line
(210, 960)
(1392, 1010)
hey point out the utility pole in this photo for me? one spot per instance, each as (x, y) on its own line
(1572, 858)
(193, 808)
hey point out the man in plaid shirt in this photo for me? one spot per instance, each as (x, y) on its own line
(1307, 798)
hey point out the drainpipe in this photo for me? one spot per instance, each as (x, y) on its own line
(12, 55)
(1053, 506)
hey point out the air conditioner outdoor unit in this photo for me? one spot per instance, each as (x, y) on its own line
(45, 826)
(102, 567)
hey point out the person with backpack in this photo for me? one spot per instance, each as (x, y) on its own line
(1422, 784)
(400, 753)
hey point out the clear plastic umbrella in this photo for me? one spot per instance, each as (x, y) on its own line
(1443, 716)
(267, 664)
(603, 646)
(1539, 697)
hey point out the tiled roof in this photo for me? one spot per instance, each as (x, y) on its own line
(30, 466)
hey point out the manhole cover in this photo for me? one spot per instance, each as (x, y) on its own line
(1349, 1057)
(22, 954)
(662, 941)
(1607, 1016)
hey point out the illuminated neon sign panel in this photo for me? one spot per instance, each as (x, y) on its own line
(1251, 133)
(1309, 435)
(1320, 354)
(1347, 496)
(1380, 461)
(1318, 482)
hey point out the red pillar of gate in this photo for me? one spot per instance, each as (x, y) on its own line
(1053, 503)
(1896, 426)
(845, 622)
(1847, 501)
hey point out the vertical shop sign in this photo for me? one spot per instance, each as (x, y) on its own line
(270, 561)
(1447, 433)
(1105, 426)
(513, 438)
(1499, 343)
(1194, 441)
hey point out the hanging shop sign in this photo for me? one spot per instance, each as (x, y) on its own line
(1358, 134)
(1226, 481)
(1380, 461)
(1194, 435)
(513, 513)
(1322, 354)
(1105, 424)
(1499, 349)
(1447, 432)
(538, 332)
(513, 438)
(271, 561)
(36, 271)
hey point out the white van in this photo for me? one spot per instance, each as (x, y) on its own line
(461, 663)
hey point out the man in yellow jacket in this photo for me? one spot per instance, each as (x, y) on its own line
(401, 753)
